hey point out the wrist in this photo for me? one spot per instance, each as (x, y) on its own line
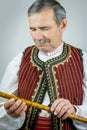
(76, 109)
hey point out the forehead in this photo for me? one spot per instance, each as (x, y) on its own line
(45, 16)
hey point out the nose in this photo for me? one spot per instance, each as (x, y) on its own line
(37, 35)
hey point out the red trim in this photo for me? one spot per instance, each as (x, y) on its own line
(43, 123)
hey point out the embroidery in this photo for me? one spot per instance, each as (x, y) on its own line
(47, 82)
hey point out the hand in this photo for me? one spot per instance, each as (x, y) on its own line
(15, 108)
(62, 108)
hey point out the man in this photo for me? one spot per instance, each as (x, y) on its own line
(51, 72)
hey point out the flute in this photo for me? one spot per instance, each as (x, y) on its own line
(40, 106)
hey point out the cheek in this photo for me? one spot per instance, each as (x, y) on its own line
(32, 34)
(53, 34)
(47, 34)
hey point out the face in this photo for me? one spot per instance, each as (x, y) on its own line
(44, 30)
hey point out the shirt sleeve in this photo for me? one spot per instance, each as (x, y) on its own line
(9, 84)
(82, 109)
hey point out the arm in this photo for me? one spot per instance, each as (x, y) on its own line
(9, 84)
(82, 109)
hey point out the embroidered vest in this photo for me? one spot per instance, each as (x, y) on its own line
(60, 76)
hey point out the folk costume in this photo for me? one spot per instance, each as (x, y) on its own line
(59, 77)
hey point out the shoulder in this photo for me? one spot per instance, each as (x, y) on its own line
(28, 49)
(76, 49)
(16, 60)
(84, 56)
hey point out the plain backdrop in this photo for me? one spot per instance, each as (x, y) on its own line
(14, 28)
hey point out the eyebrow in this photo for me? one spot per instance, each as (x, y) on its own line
(40, 27)
(44, 27)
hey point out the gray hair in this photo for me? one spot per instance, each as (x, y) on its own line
(39, 5)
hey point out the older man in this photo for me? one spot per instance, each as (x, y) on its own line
(51, 72)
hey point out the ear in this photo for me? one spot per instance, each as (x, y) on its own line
(63, 25)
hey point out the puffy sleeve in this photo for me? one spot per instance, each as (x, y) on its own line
(9, 84)
(82, 109)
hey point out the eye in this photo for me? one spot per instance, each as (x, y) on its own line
(32, 29)
(44, 28)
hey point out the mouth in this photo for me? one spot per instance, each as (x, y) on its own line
(41, 41)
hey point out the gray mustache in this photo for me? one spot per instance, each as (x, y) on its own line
(42, 41)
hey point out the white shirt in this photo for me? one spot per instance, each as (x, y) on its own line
(9, 84)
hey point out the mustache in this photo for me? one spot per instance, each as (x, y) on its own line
(42, 41)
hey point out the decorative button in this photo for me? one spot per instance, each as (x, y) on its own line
(48, 65)
(75, 99)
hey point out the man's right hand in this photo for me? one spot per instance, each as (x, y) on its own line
(15, 108)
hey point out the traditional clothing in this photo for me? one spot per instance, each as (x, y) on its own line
(61, 77)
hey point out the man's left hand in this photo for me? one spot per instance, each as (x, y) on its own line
(62, 108)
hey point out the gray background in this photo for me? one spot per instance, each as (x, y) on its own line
(14, 28)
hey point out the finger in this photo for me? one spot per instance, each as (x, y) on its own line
(71, 110)
(66, 111)
(63, 111)
(21, 108)
(9, 103)
(20, 113)
(14, 107)
(59, 107)
(55, 104)
(67, 114)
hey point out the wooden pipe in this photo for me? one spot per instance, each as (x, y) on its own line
(40, 106)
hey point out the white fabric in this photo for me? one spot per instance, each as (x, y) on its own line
(9, 84)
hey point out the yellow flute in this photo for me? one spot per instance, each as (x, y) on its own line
(39, 106)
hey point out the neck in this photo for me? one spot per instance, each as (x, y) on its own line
(53, 52)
